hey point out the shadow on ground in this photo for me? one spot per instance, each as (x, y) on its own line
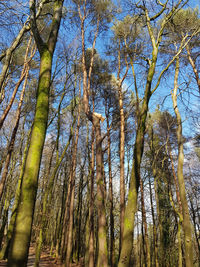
(45, 261)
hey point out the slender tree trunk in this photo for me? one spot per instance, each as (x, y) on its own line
(194, 67)
(70, 225)
(178, 211)
(91, 207)
(102, 241)
(131, 207)
(121, 143)
(89, 257)
(155, 241)
(24, 74)
(196, 232)
(4, 251)
(4, 218)
(12, 140)
(146, 237)
(78, 224)
(8, 55)
(186, 216)
(48, 193)
(122, 183)
(72, 195)
(112, 238)
(42, 217)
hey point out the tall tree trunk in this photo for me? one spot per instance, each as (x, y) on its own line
(112, 238)
(4, 251)
(178, 211)
(102, 236)
(49, 191)
(95, 118)
(196, 232)
(121, 143)
(89, 255)
(146, 237)
(18, 254)
(91, 207)
(121, 152)
(131, 207)
(186, 216)
(72, 195)
(12, 140)
(4, 218)
(78, 217)
(19, 249)
(155, 239)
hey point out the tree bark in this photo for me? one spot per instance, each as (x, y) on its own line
(112, 238)
(102, 238)
(192, 63)
(146, 237)
(18, 254)
(186, 216)
(12, 140)
(72, 195)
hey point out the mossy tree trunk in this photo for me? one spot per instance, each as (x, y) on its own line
(5, 248)
(185, 210)
(131, 206)
(18, 254)
(22, 234)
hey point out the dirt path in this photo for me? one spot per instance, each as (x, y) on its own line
(45, 261)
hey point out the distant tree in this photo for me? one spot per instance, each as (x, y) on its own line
(155, 37)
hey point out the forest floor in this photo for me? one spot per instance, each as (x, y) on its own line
(45, 261)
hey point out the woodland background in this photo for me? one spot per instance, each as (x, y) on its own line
(100, 132)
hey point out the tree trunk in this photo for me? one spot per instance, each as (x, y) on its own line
(12, 140)
(155, 241)
(20, 244)
(121, 153)
(146, 237)
(72, 195)
(112, 238)
(192, 63)
(18, 254)
(131, 207)
(102, 237)
(186, 216)
(89, 255)
(4, 251)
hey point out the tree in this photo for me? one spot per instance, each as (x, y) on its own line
(100, 13)
(156, 39)
(185, 210)
(18, 254)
